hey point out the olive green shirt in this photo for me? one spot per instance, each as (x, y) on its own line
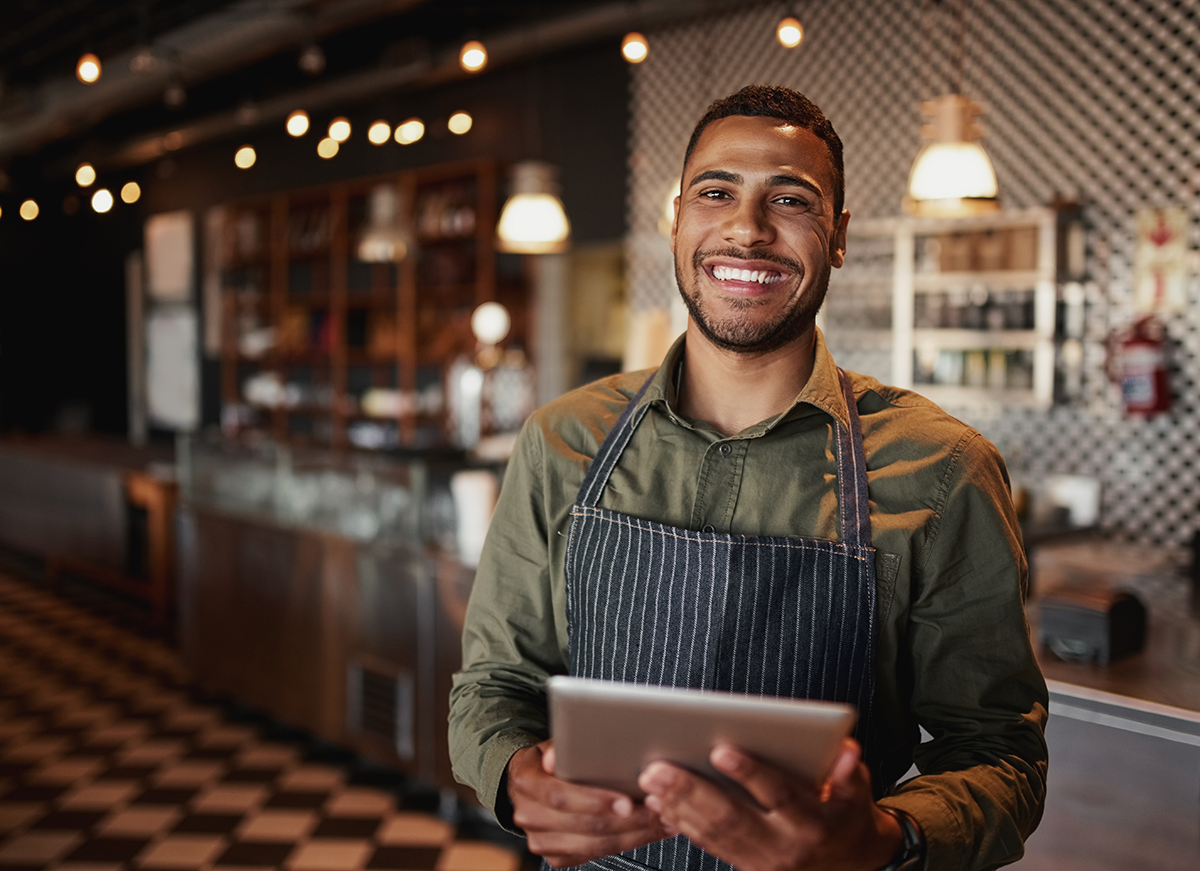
(953, 648)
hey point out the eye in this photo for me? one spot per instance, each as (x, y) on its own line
(713, 194)
(792, 200)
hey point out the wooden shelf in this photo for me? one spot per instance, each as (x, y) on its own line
(427, 320)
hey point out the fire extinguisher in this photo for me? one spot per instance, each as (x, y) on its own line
(1137, 361)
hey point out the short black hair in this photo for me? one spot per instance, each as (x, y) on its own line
(776, 101)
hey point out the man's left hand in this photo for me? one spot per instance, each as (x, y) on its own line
(799, 824)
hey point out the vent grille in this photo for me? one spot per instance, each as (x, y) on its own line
(382, 705)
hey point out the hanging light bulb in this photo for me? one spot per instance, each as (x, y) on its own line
(88, 68)
(379, 133)
(245, 157)
(459, 123)
(790, 32)
(472, 57)
(410, 131)
(102, 200)
(339, 129)
(952, 175)
(533, 220)
(490, 322)
(327, 148)
(297, 123)
(29, 210)
(634, 47)
(85, 175)
(131, 192)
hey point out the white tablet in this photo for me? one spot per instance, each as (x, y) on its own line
(605, 733)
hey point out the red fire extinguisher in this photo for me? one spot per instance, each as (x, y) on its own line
(1137, 361)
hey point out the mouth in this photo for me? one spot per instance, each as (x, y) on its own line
(742, 275)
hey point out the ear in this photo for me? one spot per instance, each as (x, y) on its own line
(674, 225)
(837, 245)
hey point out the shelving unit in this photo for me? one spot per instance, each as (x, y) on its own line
(974, 303)
(309, 328)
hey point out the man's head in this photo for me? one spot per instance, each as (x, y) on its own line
(759, 221)
(775, 101)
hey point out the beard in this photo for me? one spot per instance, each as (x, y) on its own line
(744, 335)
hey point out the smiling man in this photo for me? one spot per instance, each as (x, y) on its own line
(751, 518)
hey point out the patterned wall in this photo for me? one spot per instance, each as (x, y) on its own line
(1097, 100)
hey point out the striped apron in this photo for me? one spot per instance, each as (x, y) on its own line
(653, 604)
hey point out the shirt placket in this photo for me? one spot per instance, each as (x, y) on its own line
(719, 483)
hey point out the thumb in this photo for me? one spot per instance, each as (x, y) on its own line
(548, 759)
(838, 785)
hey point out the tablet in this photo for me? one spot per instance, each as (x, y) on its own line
(606, 732)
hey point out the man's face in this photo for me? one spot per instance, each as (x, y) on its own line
(754, 235)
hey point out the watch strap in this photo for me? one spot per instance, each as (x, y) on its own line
(911, 855)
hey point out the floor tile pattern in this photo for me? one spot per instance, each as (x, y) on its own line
(109, 761)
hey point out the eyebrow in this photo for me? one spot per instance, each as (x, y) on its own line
(781, 180)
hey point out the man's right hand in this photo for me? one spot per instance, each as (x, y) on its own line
(567, 824)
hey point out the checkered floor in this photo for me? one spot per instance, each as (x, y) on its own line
(108, 761)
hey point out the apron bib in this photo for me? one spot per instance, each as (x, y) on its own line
(771, 616)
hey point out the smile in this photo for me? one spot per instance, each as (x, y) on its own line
(758, 276)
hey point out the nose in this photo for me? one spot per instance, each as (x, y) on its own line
(748, 224)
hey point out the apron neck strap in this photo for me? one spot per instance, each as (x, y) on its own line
(611, 449)
(852, 473)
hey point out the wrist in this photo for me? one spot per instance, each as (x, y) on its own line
(910, 856)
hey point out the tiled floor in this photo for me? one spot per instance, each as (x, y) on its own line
(108, 761)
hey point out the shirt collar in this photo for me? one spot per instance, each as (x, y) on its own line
(823, 390)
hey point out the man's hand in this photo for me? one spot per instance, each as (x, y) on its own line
(567, 824)
(835, 825)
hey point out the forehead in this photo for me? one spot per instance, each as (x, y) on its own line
(769, 144)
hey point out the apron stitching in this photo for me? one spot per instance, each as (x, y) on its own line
(832, 546)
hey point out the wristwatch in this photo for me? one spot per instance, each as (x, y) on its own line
(911, 854)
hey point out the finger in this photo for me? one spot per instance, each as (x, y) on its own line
(549, 757)
(695, 806)
(770, 787)
(849, 776)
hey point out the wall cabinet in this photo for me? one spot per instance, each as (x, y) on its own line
(973, 305)
(323, 347)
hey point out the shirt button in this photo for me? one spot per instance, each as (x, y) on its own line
(725, 449)
(708, 527)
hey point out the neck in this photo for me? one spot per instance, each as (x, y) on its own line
(734, 391)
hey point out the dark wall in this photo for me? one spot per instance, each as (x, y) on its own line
(62, 310)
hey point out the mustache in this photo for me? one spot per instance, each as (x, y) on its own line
(738, 254)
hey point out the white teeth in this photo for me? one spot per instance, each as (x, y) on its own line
(728, 273)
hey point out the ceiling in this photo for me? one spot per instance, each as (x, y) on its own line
(236, 62)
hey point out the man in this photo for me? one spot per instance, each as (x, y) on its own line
(750, 518)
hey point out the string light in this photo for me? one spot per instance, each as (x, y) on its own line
(88, 68)
(131, 192)
(790, 32)
(102, 200)
(245, 157)
(459, 123)
(339, 129)
(634, 47)
(379, 133)
(297, 123)
(29, 210)
(327, 148)
(410, 131)
(85, 175)
(473, 56)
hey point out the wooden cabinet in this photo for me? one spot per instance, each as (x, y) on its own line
(320, 346)
(973, 305)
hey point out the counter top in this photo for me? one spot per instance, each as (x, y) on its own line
(1167, 671)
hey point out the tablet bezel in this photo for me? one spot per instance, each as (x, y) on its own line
(605, 732)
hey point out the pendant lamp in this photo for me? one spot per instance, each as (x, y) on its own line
(952, 175)
(384, 239)
(533, 220)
